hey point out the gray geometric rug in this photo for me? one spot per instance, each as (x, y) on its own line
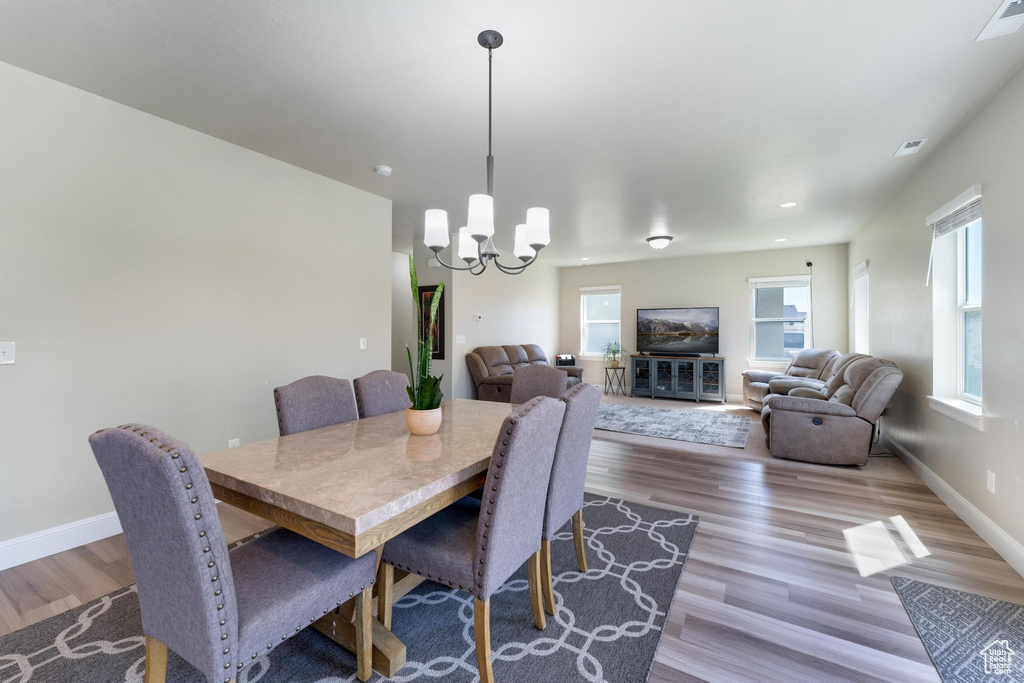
(699, 426)
(970, 638)
(607, 627)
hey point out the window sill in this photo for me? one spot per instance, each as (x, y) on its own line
(755, 364)
(967, 413)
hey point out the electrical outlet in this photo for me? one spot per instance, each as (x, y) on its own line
(6, 353)
(362, 343)
(233, 443)
(991, 481)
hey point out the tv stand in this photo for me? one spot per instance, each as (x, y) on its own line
(694, 378)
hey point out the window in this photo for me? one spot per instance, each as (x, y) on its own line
(780, 318)
(600, 319)
(969, 311)
(955, 276)
(859, 304)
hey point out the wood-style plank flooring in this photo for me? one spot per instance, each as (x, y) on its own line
(771, 590)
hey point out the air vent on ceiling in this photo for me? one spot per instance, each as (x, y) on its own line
(1007, 19)
(910, 147)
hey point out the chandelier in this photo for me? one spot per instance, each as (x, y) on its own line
(476, 239)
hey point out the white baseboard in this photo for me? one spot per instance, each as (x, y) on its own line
(57, 539)
(1003, 543)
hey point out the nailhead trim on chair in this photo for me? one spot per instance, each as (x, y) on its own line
(211, 564)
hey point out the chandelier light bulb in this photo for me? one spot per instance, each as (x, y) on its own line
(435, 229)
(523, 250)
(481, 216)
(538, 224)
(468, 247)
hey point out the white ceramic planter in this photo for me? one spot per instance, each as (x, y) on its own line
(423, 422)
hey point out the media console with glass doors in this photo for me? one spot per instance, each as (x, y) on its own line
(679, 377)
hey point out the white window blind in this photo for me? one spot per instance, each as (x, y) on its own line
(959, 213)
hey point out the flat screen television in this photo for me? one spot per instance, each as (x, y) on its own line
(677, 331)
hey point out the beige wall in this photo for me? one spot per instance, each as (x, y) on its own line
(519, 309)
(988, 150)
(403, 318)
(151, 273)
(718, 280)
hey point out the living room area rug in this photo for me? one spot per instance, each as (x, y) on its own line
(970, 638)
(714, 428)
(607, 627)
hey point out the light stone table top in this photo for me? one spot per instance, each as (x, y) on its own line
(353, 485)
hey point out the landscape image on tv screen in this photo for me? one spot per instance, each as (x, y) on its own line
(677, 330)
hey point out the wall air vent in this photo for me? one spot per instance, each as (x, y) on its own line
(1007, 19)
(911, 146)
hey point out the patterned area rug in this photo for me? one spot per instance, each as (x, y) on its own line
(699, 426)
(607, 627)
(970, 638)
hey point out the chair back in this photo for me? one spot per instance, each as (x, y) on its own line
(314, 402)
(839, 366)
(381, 391)
(811, 363)
(569, 470)
(531, 381)
(512, 504)
(169, 517)
(873, 382)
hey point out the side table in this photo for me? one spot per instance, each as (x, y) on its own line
(615, 380)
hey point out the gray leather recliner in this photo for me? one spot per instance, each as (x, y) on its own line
(809, 363)
(838, 430)
(492, 368)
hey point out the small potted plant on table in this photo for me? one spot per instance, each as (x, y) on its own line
(613, 351)
(424, 415)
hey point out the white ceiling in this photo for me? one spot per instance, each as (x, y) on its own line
(701, 117)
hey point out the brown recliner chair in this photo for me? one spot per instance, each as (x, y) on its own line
(809, 363)
(836, 431)
(492, 368)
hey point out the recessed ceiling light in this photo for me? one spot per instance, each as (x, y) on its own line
(788, 205)
(584, 258)
(659, 241)
(383, 171)
(781, 239)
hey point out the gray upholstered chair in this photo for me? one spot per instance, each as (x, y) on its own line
(476, 545)
(822, 388)
(809, 363)
(568, 474)
(314, 402)
(531, 381)
(220, 612)
(837, 431)
(381, 391)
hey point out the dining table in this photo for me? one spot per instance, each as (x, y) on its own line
(353, 486)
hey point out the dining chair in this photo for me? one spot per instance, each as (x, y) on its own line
(476, 545)
(568, 475)
(314, 402)
(381, 391)
(219, 611)
(531, 381)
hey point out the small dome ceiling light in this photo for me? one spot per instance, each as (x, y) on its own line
(383, 171)
(659, 241)
(788, 205)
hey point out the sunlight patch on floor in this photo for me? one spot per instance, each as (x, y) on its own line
(874, 548)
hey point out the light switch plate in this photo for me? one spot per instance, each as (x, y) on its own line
(362, 343)
(991, 481)
(233, 443)
(460, 339)
(6, 353)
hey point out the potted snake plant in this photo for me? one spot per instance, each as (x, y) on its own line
(424, 414)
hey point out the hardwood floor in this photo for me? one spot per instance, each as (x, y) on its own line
(771, 590)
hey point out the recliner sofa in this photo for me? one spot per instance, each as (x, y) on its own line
(492, 368)
(839, 430)
(813, 364)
